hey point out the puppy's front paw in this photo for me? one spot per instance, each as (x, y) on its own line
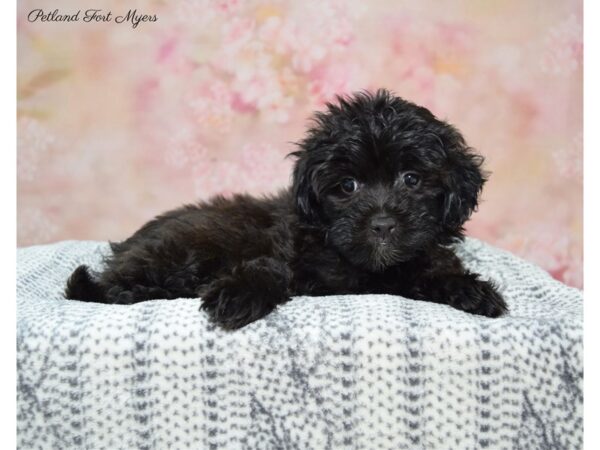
(228, 305)
(251, 292)
(477, 297)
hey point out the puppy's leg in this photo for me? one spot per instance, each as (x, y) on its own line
(82, 286)
(251, 291)
(464, 291)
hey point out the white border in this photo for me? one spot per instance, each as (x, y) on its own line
(8, 230)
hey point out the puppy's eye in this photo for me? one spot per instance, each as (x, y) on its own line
(349, 185)
(411, 179)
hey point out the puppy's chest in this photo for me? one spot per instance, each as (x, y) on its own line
(323, 272)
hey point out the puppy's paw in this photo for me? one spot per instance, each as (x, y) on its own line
(478, 297)
(251, 292)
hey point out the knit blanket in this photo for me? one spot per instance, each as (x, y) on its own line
(356, 372)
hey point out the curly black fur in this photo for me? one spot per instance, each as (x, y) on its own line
(380, 189)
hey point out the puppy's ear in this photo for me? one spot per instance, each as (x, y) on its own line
(304, 187)
(464, 180)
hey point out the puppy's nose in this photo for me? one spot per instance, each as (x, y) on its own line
(382, 225)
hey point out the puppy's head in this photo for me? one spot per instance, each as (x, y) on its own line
(385, 179)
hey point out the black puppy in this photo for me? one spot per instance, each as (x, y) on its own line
(380, 189)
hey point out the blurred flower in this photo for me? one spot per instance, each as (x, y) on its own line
(36, 225)
(327, 81)
(563, 47)
(184, 150)
(33, 140)
(212, 107)
(257, 169)
(569, 159)
(548, 246)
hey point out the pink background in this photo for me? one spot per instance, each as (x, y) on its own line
(117, 124)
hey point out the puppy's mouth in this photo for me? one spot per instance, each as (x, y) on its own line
(367, 250)
(383, 255)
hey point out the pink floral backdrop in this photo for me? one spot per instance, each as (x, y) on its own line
(117, 124)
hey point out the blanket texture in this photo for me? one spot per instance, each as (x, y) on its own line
(356, 372)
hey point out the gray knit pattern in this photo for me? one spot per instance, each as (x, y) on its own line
(339, 372)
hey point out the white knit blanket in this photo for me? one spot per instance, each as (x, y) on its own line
(356, 372)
